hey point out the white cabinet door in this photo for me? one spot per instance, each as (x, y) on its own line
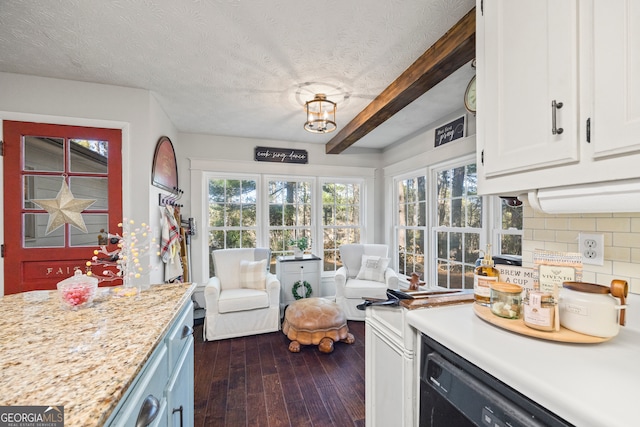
(616, 73)
(384, 388)
(390, 369)
(291, 271)
(527, 59)
(180, 399)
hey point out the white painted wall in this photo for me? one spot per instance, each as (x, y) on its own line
(137, 112)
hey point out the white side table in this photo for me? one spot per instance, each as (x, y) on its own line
(289, 270)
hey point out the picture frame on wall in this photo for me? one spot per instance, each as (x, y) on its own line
(164, 173)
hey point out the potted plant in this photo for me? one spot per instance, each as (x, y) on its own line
(299, 246)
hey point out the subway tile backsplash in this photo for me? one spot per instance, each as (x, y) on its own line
(560, 233)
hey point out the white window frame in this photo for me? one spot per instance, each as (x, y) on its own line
(229, 177)
(491, 221)
(496, 227)
(202, 169)
(483, 232)
(362, 214)
(422, 172)
(313, 185)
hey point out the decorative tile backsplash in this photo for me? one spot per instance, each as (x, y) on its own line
(559, 232)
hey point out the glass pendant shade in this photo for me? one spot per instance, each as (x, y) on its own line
(321, 115)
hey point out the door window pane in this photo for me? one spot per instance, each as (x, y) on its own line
(91, 188)
(88, 156)
(34, 233)
(96, 224)
(43, 154)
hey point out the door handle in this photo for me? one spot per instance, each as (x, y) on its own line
(180, 409)
(555, 106)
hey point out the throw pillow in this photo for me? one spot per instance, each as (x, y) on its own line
(253, 274)
(372, 268)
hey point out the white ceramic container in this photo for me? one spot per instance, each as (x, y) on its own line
(589, 309)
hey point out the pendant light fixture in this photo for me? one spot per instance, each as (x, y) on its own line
(321, 114)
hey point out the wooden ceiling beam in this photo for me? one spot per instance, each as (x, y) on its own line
(454, 49)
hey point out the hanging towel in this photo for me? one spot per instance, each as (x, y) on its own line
(170, 244)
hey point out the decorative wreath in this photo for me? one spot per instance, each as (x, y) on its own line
(296, 286)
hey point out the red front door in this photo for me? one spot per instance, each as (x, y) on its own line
(51, 230)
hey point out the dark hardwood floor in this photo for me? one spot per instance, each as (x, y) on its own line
(256, 381)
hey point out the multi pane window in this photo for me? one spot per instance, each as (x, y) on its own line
(245, 213)
(509, 231)
(82, 164)
(458, 226)
(232, 214)
(453, 211)
(341, 219)
(410, 229)
(290, 208)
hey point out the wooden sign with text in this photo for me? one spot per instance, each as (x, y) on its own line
(280, 155)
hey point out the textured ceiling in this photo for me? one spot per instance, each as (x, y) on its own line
(240, 67)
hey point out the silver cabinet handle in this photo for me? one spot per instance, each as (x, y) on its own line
(186, 331)
(148, 411)
(554, 107)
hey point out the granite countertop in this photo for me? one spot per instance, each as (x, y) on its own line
(586, 384)
(83, 360)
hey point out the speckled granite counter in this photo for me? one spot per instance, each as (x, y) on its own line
(86, 359)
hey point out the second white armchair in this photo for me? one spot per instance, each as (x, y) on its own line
(365, 272)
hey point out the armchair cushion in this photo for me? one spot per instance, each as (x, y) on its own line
(351, 255)
(253, 274)
(372, 268)
(233, 300)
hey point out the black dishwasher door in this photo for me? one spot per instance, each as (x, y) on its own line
(454, 392)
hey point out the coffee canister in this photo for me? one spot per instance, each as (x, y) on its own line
(590, 309)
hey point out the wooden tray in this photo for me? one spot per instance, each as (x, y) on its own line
(518, 326)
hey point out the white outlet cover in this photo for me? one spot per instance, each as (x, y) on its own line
(591, 246)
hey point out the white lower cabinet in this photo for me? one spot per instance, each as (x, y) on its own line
(180, 390)
(391, 369)
(162, 393)
(290, 270)
(145, 398)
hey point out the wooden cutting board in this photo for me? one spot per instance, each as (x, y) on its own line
(459, 296)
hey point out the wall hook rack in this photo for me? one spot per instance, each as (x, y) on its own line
(171, 199)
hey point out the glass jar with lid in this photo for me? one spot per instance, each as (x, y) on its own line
(506, 300)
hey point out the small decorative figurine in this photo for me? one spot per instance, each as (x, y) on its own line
(414, 282)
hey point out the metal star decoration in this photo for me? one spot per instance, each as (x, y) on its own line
(64, 209)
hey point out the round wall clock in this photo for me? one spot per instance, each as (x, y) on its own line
(470, 96)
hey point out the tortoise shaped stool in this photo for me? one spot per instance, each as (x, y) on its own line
(315, 321)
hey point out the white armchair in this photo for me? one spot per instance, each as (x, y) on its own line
(355, 280)
(243, 298)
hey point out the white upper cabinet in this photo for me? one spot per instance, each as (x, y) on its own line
(558, 88)
(530, 62)
(616, 76)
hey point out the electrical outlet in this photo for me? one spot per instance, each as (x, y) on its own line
(591, 247)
